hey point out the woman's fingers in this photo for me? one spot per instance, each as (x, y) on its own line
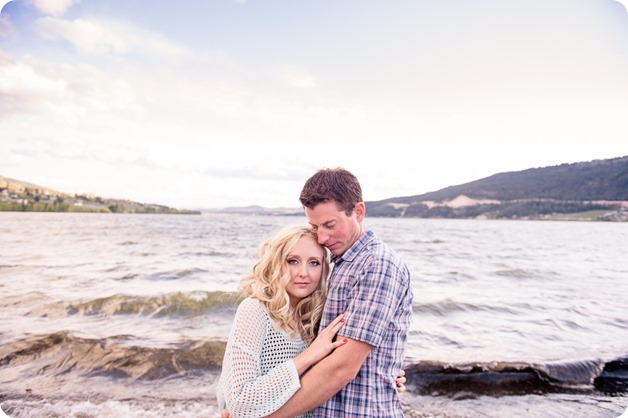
(339, 342)
(336, 324)
(340, 319)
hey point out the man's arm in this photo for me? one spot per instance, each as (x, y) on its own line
(326, 378)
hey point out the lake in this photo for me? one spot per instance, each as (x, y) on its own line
(127, 315)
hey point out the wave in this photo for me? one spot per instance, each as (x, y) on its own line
(203, 254)
(180, 303)
(65, 354)
(513, 378)
(176, 274)
(518, 273)
(448, 306)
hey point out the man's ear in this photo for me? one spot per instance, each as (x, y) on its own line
(360, 211)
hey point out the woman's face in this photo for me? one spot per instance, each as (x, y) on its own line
(306, 267)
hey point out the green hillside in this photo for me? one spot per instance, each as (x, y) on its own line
(20, 196)
(594, 190)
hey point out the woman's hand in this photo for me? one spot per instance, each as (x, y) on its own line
(400, 382)
(321, 346)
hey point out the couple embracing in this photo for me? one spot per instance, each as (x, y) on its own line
(308, 343)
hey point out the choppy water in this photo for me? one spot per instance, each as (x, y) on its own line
(127, 315)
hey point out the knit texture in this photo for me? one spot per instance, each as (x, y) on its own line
(258, 374)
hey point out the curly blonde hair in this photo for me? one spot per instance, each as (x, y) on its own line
(271, 275)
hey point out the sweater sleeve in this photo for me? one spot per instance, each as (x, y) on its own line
(243, 388)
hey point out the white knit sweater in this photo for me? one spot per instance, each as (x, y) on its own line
(258, 374)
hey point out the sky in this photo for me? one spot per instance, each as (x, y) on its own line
(211, 104)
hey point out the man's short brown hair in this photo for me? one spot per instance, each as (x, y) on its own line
(332, 184)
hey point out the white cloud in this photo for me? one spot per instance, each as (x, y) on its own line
(86, 36)
(92, 37)
(24, 89)
(297, 78)
(54, 7)
(7, 30)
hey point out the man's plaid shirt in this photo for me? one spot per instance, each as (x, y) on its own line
(371, 283)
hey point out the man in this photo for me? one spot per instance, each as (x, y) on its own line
(369, 282)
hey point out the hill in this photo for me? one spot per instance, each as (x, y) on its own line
(594, 190)
(17, 195)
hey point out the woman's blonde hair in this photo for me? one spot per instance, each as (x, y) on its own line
(271, 275)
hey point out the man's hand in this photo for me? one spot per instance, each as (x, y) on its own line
(225, 414)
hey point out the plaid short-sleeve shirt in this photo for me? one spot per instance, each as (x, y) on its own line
(371, 283)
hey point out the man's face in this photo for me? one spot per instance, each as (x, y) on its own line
(334, 228)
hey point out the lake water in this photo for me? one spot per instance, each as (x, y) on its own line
(127, 315)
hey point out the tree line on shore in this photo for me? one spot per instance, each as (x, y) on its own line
(17, 196)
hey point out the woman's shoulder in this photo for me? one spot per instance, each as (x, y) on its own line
(251, 306)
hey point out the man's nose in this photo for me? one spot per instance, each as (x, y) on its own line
(322, 238)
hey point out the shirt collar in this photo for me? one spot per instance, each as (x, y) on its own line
(355, 249)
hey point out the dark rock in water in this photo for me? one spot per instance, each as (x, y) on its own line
(472, 381)
(488, 383)
(614, 377)
(502, 378)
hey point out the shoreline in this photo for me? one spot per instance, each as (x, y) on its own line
(529, 406)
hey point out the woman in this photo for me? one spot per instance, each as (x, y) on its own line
(273, 339)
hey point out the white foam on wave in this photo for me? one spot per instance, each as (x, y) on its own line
(110, 409)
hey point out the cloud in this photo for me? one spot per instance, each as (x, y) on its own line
(93, 37)
(86, 36)
(7, 30)
(54, 7)
(23, 88)
(297, 78)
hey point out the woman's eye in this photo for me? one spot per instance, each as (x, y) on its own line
(293, 261)
(315, 263)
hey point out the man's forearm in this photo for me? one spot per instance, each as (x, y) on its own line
(325, 379)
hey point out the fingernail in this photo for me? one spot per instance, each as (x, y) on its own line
(344, 341)
(342, 320)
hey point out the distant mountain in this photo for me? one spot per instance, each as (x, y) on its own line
(20, 196)
(594, 190)
(258, 210)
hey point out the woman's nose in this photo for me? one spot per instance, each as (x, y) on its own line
(303, 270)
